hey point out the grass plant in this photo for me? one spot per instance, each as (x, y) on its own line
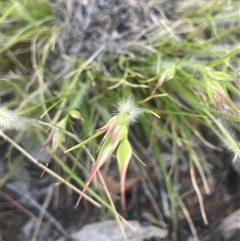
(189, 77)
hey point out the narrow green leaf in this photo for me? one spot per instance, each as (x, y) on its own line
(98, 133)
(151, 112)
(138, 158)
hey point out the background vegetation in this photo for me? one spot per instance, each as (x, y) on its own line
(65, 81)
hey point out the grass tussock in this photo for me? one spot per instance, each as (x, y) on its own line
(65, 64)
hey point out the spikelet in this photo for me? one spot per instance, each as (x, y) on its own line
(9, 120)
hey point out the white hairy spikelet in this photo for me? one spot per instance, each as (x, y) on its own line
(231, 142)
(127, 106)
(236, 157)
(9, 120)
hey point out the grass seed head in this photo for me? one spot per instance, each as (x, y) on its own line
(9, 120)
(130, 109)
